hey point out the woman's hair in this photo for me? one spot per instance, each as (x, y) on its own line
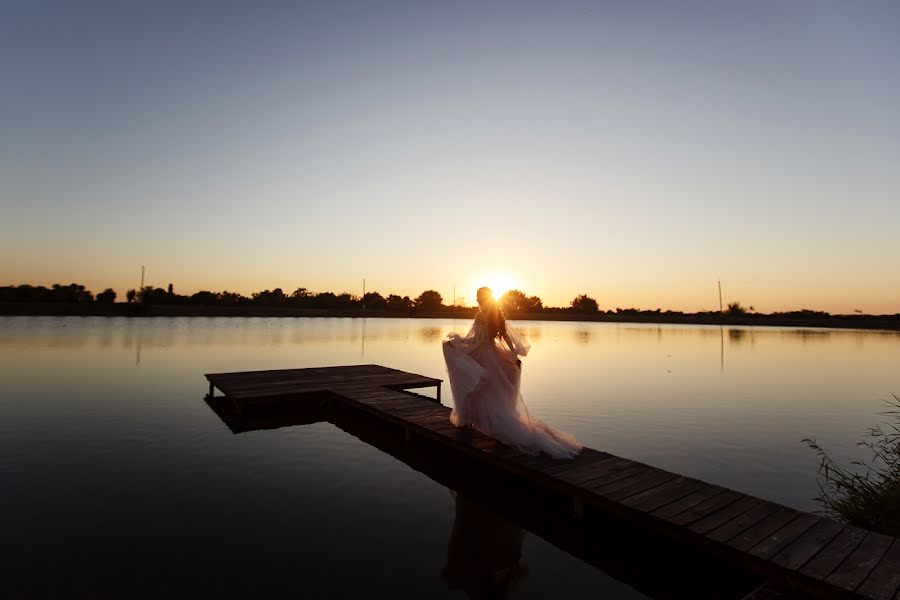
(495, 322)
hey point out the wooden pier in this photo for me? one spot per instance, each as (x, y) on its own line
(799, 551)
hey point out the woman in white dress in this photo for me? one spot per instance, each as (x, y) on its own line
(485, 372)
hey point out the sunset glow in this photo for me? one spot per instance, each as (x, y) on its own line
(498, 282)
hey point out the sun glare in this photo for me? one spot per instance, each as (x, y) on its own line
(498, 282)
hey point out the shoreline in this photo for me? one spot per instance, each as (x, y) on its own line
(867, 322)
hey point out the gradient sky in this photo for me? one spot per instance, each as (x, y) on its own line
(633, 151)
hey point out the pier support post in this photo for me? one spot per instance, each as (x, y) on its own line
(438, 392)
(212, 389)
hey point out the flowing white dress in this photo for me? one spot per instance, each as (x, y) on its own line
(485, 381)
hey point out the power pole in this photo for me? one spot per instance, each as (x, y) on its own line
(720, 296)
(454, 295)
(141, 291)
(364, 294)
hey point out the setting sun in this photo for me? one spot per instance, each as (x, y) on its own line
(500, 283)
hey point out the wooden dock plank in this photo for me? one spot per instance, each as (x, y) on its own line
(690, 501)
(623, 470)
(861, 562)
(770, 546)
(801, 550)
(770, 537)
(619, 490)
(705, 508)
(581, 476)
(834, 553)
(763, 529)
(884, 581)
(727, 530)
(650, 500)
(727, 515)
(585, 461)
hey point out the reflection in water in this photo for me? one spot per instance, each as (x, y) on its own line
(810, 335)
(736, 336)
(431, 334)
(484, 554)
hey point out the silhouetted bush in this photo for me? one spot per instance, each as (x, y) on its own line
(735, 309)
(155, 296)
(205, 298)
(107, 296)
(374, 301)
(396, 303)
(429, 300)
(584, 304)
(515, 301)
(274, 297)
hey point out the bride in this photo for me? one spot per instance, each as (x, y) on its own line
(485, 371)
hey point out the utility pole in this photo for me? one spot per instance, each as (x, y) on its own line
(141, 291)
(454, 295)
(364, 295)
(720, 296)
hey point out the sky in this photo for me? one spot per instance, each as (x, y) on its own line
(638, 152)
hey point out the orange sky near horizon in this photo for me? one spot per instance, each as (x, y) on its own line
(690, 295)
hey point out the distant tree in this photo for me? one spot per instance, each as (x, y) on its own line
(735, 309)
(73, 292)
(429, 300)
(269, 298)
(232, 299)
(154, 295)
(395, 302)
(204, 298)
(107, 296)
(805, 313)
(131, 295)
(515, 301)
(374, 301)
(346, 300)
(585, 304)
(324, 300)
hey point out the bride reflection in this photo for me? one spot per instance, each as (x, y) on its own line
(484, 554)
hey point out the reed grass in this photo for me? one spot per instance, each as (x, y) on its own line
(867, 493)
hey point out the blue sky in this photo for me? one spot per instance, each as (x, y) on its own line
(634, 151)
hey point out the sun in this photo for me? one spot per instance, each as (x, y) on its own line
(499, 283)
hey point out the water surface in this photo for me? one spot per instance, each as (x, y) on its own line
(120, 476)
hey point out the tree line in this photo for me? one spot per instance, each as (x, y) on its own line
(512, 302)
(72, 292)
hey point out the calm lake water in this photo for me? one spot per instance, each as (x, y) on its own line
(117, 476)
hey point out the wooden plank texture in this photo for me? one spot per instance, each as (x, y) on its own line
(856, 567)
(801, 550)
(884, 581)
